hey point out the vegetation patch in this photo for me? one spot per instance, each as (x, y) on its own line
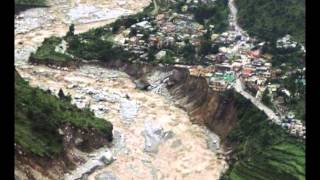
(30, 2)
(270, 20)
(47, 53)
(38, 115)
(213, 14)
(263, 150)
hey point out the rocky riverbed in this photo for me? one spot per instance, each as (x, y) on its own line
(153, 138)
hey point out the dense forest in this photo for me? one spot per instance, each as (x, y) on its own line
(262, 150)
(38, 115)
(208, 13)
(271, 19)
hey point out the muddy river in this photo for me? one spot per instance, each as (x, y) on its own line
(153, 139)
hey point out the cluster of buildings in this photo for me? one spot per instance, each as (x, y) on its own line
(237, 57)
(239, 62)
(286, 42)
(164, 31)
(294, 126)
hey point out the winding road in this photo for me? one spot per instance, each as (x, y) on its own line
(238, 86)
(233, 20)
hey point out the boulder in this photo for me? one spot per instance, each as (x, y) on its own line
(168, 135)
(214, 36)
(141, 84)
(128, 109)
(160, 54)
(107, 158)
(152, 134)
(176, 143)
(99, 97)
(78, 141)
(106, 176)
(213, 141)
(60, 131)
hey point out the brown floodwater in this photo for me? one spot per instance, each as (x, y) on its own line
(183, 155)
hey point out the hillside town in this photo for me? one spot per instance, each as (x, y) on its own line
(240, 59)
(159, 89)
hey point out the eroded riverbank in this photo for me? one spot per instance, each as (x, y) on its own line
(153, 139)
(157, 141)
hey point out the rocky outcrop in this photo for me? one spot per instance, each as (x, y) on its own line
(84, 140)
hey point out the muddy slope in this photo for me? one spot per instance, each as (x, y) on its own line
(75, 142)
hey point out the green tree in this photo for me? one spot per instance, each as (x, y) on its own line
(270, 20)
(189, 52)
(38, 115)
(61, 94)
(266, 100)
(70, 33)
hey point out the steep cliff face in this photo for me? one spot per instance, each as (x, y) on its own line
(147, 126)
(191, 93)
(240, 125)
(204, 105)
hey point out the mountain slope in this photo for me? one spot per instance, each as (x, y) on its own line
(270, 20)
(263, 150)
(39, 115)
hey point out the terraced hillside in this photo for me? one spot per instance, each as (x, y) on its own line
(262, 150)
